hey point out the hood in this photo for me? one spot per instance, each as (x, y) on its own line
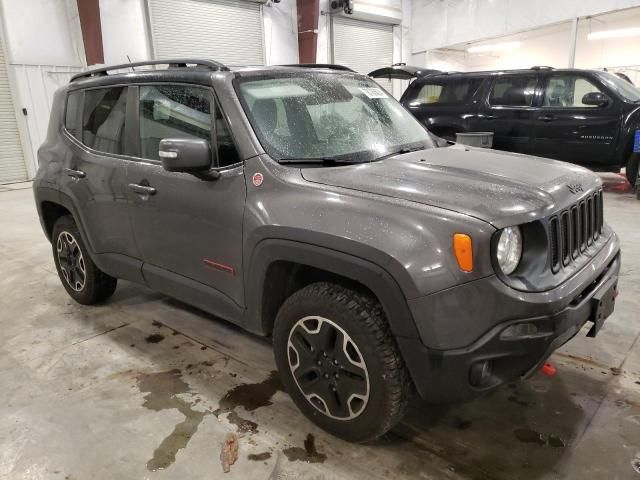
(498, 187)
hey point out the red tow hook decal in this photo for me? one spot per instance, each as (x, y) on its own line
(548, 369)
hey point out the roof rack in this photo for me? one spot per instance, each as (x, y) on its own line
(331, 66)
(541, 67)
(173, 63)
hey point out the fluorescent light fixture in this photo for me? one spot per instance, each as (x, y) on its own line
(494, 47)
(619, 33)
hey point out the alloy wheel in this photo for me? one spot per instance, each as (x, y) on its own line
(328, 368)
(71, 261)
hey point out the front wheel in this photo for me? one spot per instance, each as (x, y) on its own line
(81, 278)
(339, 361)
(632, 168)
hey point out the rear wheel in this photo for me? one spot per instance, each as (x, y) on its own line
(632, 168)
(80, 277)
(339, 361)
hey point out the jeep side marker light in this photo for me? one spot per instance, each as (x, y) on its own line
(463, 248)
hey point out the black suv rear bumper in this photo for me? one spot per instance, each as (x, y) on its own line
(511, 349)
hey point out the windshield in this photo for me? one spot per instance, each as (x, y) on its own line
(622, 87)
(325, 116)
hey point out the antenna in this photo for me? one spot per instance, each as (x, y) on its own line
(129, 58)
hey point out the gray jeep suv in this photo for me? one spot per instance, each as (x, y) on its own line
(305, 203)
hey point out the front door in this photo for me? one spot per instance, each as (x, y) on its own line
(188, 228)
(509, 113)
(569, 130)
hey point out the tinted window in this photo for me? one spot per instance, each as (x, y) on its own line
(567, 91)
(172, 111)
(227, 152)
(71, 121)
(448, 92)
(513, 91)
(104, 119)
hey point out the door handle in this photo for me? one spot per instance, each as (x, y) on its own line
(142, 189)
(546, 118)
(488, 117)
(74, 173)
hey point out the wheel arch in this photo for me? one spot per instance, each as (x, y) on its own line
(279, 267)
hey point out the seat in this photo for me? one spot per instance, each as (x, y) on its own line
(109, 136)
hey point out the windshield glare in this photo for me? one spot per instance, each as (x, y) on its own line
(328, 116)
(624, 88)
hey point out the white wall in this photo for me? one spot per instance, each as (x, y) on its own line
(124, 31)
(44, 48)
(281, 32)
(440, 23)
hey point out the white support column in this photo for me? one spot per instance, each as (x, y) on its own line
(572, 42)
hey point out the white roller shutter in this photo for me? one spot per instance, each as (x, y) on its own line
(12, 167)
(224, 30)
(363, 46)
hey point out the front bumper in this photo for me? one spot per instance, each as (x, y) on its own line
(513, 348)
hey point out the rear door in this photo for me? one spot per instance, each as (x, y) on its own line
(188, 229)
(444, 104)
(569, 130)
(94, 172)
(509, 112)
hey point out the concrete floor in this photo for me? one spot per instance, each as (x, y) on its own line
(146, 387)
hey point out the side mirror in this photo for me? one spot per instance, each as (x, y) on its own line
(597, 99)
(189, 155)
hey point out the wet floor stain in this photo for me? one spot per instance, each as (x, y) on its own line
(250, 396)
(162, 390)
(527, 435)
(259, 457)
(307, 454)
(154, 338)
(635, 464)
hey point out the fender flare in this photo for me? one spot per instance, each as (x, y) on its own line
(371, 275)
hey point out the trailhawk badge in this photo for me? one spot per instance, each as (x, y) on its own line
(573, 187)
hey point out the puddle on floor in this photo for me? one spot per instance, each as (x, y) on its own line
(307, 454)
(161, 391)
(154, 338)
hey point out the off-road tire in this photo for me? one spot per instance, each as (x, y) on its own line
(96, 286)
(632, 168)
(362, 318)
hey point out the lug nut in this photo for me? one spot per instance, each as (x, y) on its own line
(326, 376)
(335, 361)
(318, 363)
(336, 375)
(324, 354)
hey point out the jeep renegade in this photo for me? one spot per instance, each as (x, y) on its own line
(306, 204)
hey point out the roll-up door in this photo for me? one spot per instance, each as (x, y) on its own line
(363, 46)
(229, 31)
(12, 166)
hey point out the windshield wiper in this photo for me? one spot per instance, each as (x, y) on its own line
(400, 151)
(323, 161)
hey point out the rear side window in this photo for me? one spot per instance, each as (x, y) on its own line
(71, 120)
(104, 119)
(513, 91)
(447, 92)
(173, 111)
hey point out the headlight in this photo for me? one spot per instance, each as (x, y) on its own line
(509, 249)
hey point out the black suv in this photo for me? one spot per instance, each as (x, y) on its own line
(307, 204)
(586, 117)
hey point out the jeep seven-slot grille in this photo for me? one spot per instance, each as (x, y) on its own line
(574, 229)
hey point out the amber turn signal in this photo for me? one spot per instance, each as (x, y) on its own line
(463, 249)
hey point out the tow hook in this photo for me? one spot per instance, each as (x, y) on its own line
(548, 369)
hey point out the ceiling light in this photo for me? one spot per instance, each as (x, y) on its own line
(495, 47)
(619, 33)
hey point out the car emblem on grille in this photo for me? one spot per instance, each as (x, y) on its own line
(575, 187)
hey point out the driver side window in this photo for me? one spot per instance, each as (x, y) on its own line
(567, 91)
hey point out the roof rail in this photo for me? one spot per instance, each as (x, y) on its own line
(541, 67)
(331, 66)
(173, 63)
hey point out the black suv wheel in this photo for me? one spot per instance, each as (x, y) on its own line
(339, 361)
(81, 278)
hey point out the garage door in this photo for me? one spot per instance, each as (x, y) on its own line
(363, 46)
(12, 167)
(223, 30)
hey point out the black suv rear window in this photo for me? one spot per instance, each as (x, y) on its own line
(513, 91)
(446, 92)
(71, 118)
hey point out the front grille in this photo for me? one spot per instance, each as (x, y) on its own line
(574, 229)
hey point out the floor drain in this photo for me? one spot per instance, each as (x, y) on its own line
(635, 463)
